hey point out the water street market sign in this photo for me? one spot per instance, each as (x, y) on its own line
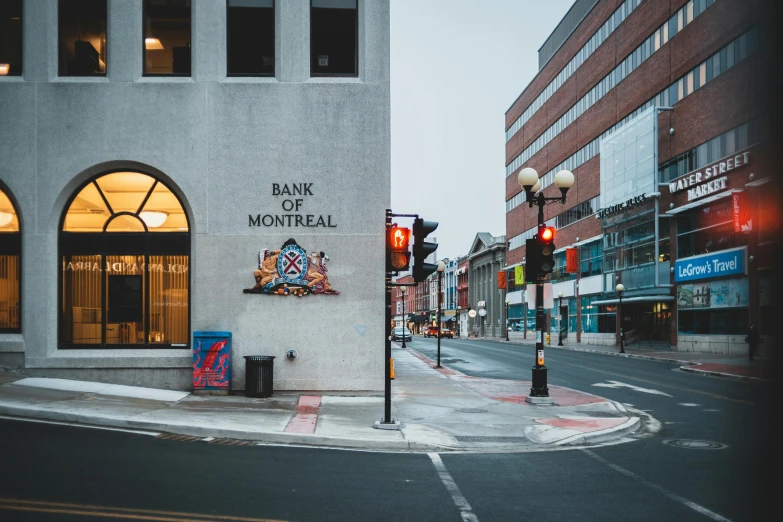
(709, 180)
(709, 266)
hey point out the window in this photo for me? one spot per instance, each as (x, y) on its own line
(10, 266)
(597, 318)
(82, 37)
(11, 38)
(167, 37)
(717, 307)
(251, 37)
(591, 257)
(124, 259)
(709, 228)
(334, 38)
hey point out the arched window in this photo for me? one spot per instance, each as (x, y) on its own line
(10, 266)
(125, 252)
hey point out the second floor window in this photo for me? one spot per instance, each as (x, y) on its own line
(251, 37)
(11, 38)
(82, 37)
(334, 36)
(167, 37)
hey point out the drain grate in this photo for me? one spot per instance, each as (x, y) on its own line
(178, 438)
(695, 444)
(476, 438)
(471, 410)
(232, 442)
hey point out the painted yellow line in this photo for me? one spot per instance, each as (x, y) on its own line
(116, 512)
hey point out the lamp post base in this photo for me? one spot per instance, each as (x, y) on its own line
(540, 401)
(539, 388)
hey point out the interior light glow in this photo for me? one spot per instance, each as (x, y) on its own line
(5, 218)
(4, 68)
(153, 44)
(153, 218)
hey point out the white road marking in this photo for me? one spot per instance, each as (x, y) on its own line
(688, 404)
(694, 506)
(617, 384)
(456, 495)
(710, 410)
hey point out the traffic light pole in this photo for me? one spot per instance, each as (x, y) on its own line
(539, 387)
(387, 385)
(440, 279)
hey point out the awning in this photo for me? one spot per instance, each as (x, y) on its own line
(700, 202)
(447, 319)
(639, 299)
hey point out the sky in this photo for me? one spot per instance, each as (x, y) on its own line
(456, 68)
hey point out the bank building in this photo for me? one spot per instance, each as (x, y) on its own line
(177, 166)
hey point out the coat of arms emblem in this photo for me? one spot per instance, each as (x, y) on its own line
(291, 271)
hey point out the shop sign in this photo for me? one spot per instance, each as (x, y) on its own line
(724, 293)
(709, 180)
(741, 210)
(519, 275)
(502, 280)
(708, 266)
(621, 207)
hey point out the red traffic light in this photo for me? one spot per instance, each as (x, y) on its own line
(399, 238)
(546, 234)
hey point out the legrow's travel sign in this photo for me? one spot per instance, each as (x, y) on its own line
(712, 265)
(292, 206)
(709, 180)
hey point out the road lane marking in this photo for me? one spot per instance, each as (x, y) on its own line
(615, 374)
(688, 404)
(456, 495)
(692, 505)
(113, 512)
(617, 384)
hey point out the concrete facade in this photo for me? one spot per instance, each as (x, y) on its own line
(487, 257)
(219, 143)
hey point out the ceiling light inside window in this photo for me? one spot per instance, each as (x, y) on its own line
(5, 218)
(153, 218)
(4, 68)
(153, 44)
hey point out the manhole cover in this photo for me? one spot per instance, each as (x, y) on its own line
(471, 410)
(472, 438)
(695, 444)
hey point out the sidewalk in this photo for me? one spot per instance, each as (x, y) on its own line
(439, 410)
(719, 364)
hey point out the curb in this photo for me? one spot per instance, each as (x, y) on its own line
(722, 374)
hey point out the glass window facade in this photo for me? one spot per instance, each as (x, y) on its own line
(334, 37)
(251, 37)
(718, 307)
(10, 266)
(167, 40)
(82, 37)
(731, 141)
(11, 38)
(125, 255)
(597, 318)
(710, 229)
(591, 258)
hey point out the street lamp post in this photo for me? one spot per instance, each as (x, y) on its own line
(620, 289)
(441, 268)
(528, 179)
(507, 327)
(560, 320)
(403, 291)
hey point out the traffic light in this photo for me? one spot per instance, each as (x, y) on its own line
(546, 239)
(398, 258)
(540, 255)
(422, 249)
(532, 264)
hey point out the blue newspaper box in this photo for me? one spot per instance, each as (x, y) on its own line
(212, 361)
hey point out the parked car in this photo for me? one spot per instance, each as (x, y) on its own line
(401, 334)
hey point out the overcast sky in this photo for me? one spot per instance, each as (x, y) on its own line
(456, 67)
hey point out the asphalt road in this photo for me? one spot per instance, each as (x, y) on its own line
(55, 472)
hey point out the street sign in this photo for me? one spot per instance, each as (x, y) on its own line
(472, 314)
(482, 312)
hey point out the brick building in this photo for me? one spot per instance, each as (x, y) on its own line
(650, 104)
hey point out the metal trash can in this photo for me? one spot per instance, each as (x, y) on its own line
(258, 375)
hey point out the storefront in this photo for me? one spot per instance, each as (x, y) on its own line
(725, 226)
